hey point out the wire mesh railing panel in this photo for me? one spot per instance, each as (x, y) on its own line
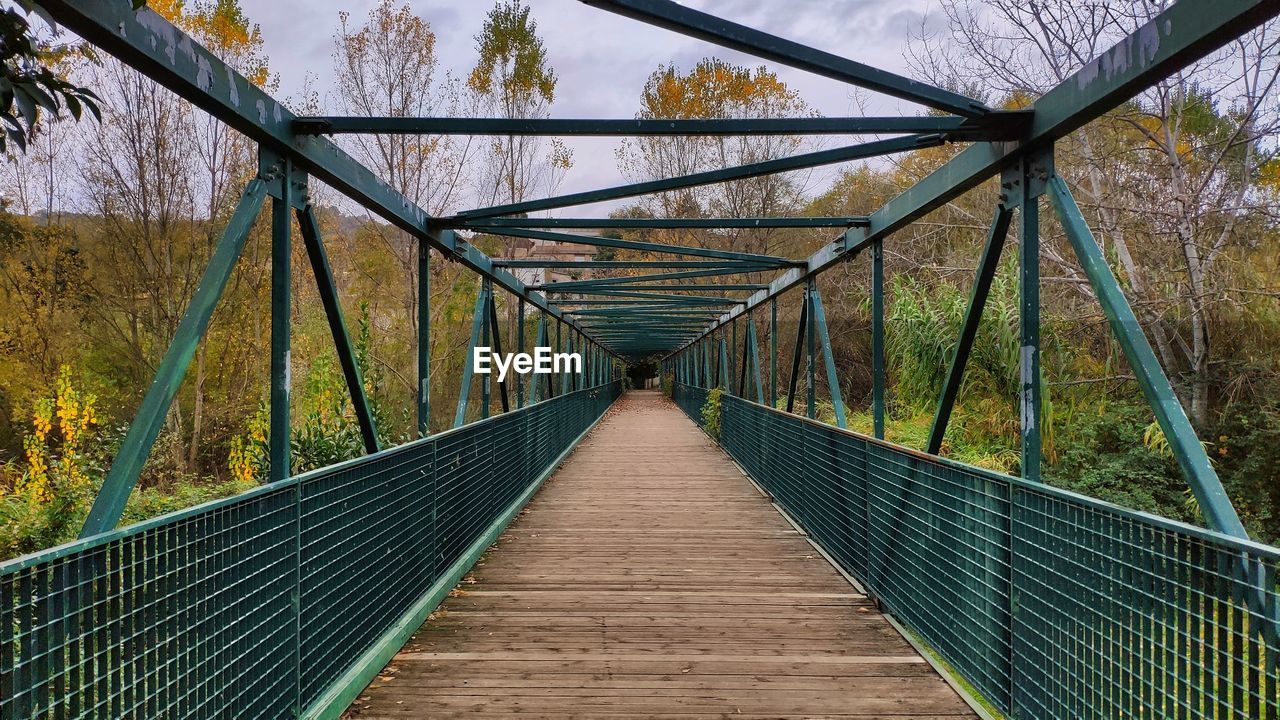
(367, 534)
(253, 606)
(1120, 611)
(186, 618)
(690, 399)
(939, 559)
(1051, 604)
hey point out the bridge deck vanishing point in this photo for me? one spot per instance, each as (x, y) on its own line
(649, 578)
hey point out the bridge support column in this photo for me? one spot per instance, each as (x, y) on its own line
(278, 450)
(1029, 325)
(477, 325)
(877, 338)
(424, 338)
(811, 405)
(520, 347)
(829, 361)
(773, 352)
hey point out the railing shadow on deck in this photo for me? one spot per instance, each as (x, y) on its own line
(283, 601)
(1051, 604)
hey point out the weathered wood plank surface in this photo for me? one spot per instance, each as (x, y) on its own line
(649, 579)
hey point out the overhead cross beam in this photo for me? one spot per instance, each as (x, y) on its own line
(633, 264)
(992, 126)
(709, 177)
(652, 277)
(485, 224)
(597, 241)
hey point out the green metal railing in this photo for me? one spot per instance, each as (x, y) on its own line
(1051, 604)
(274, 603)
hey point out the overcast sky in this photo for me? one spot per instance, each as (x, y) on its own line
(602, 60)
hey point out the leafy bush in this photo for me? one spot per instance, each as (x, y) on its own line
(711, 413)
(1114, 457)
(47, 501)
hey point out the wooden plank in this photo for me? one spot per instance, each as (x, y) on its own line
(649, 578)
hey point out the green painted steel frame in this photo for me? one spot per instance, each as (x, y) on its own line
(145, 427)
(1018, 144)
(986, 272)
(328, 291)
(993, 125)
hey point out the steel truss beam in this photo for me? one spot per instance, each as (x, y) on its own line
(149, 418)
(597, 241)
(152, 45)
(823, 339)
(328, 290)
(1195, 464)
(709, 177)
(663, 223)
(983, 277)
(993, 125)
(478, 318)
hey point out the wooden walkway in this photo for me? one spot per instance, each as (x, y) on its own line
(649, 578)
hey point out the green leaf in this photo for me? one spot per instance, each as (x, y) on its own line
(42, 98)
(74, 106)
(19, 139)
(26, 104)
(91, 105)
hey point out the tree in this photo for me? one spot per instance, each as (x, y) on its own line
(388, 66)
(512, 79)
(1170, 177)
(717, 89)
(28, 84)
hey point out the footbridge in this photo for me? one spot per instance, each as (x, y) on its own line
(771, 566)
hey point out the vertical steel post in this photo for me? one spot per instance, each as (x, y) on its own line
(877, 339)
(559, 348)
(520, 347)
(1029, 325)
(829, 361)
(733, 350)
(487, 330)
(540, 339)
(773, 352)
(281, 330)
(811, 407)
(753, 339)
(724, 365)
(424, 338)
(468, 367)
(566, 381)
(708, 357)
